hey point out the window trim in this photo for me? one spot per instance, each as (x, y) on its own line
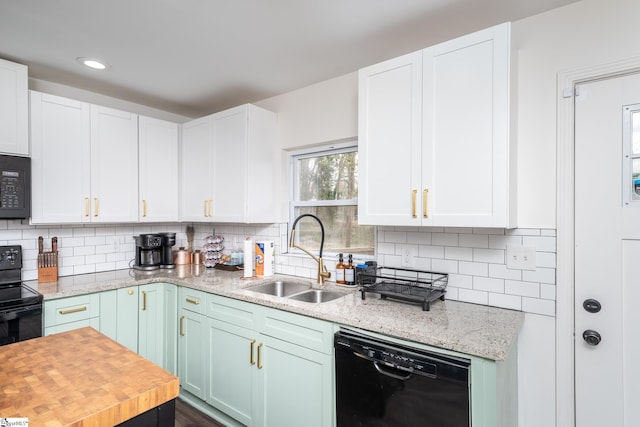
(339, 147)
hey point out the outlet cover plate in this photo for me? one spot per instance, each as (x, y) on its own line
(521, 257)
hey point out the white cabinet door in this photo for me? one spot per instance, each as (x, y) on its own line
(60, 159)
(158, 170)
(229, 143)
(196, 171)
(434, 144)
(390, 114)
(114, 165)
(14, 108)
(466, 152)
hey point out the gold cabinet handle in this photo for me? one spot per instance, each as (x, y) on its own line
(414, 194)
(144, 208)
(251, 361)
(181, 323)
(86, 207)
(195, 301)
(206, 202)
(144, 300)
(210, 207)
(130, 291)
(259, 362)
(73, 310)
(425, 197)
(96, 206)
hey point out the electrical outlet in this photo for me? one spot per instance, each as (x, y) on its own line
(521, 257)
(407, 257)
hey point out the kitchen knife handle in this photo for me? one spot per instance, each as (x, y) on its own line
(414, 194)
(251, 360)
(425, 196)
(96, 205)
(181, 323)
(259, 362)
(86, 206)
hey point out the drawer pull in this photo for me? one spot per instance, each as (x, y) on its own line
(251, 360)
(144, 301)
(74, 310)
(259, 362)
(181, 323)
(195, 301)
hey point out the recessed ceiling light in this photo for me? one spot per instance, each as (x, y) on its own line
(92, 63)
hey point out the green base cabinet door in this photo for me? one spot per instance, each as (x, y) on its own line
(233, 368)
(296, 386)
(192, 346)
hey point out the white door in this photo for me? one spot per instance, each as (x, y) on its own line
(607, 253)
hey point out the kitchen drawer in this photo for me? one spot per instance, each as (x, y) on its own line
(301, 330)
(72, 309)
(192, 300)
(232, 311)
(94, 322)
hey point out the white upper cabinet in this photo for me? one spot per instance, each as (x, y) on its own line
(196, 191)
(60, 159)
(158, 170)
(229, 166)
(84, 162)
(435, 136)
(14, 108)
(114, 165)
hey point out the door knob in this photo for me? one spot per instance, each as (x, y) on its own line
(591, 337)
(591, 305)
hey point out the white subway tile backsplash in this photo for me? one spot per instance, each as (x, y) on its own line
(511, 302)
(474, 258)
(488, 284)
(474, 268)
(460, 254)
(444, 239)
(473, 240)
(496, 256)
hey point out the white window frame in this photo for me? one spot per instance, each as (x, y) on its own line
(294, 202)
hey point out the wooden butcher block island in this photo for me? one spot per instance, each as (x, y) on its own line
(81, 378)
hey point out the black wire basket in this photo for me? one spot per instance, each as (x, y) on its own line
(415, 286)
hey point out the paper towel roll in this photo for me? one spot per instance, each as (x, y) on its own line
(248, 257)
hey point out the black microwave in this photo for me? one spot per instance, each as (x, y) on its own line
(15, 187)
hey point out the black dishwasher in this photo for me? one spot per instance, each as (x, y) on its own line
(381, 383)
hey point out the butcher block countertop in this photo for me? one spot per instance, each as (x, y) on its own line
(79, 378)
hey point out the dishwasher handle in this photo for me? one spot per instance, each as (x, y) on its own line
(377, 364)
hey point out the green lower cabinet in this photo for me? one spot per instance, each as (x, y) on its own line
(192, 346)
(156, 324)
(65, 314)
(232, 370)
(295, 385)
(119, 319)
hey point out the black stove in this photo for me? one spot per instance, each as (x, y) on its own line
(20, 306)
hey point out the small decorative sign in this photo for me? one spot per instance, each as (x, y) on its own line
(14, 422)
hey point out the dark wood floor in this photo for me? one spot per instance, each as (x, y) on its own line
(188, 416)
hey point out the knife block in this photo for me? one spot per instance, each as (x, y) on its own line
(47, 267)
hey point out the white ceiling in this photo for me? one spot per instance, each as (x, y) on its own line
(195, 57)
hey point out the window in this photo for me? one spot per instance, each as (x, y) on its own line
(325, 184)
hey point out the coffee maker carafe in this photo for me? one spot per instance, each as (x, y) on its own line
(148, 252)
(168, 241)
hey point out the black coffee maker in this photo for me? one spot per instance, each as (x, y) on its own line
(168, 241)
(148, 252)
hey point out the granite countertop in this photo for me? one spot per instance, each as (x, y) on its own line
(477, 330)
(57, 381)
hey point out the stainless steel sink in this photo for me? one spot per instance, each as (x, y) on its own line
(281, 288)
(316, 296)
